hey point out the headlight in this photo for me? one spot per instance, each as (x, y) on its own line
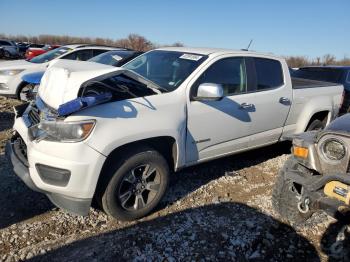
(333, 149)
(11, 72)
(60, 131)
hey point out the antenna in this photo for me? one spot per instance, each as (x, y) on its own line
(246, 49)
(251, 41)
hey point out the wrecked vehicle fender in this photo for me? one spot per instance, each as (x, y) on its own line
(135, 120)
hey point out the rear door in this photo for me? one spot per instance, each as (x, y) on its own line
(272, 101)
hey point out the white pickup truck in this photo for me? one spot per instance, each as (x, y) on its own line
(116, 134)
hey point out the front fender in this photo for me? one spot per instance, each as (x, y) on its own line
(123, 122)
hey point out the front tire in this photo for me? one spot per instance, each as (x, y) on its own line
(285, 197)
(136, 184)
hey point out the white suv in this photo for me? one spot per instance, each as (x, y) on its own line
(11, 72)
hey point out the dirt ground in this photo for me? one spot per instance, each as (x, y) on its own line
(217, 211)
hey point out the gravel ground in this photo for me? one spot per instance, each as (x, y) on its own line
(217, 211)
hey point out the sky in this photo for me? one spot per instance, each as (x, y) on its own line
(309, 28)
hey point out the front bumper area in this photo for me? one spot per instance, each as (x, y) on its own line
(20, 169)
(77, 206)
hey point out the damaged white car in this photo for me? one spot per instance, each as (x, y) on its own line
(115, 134)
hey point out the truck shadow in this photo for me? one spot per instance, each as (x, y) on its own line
(17, 201)
(222, 232)
(192, 178)
(335, 241)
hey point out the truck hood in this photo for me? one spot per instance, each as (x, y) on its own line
(63, 79)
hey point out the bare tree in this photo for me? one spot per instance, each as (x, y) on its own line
(329, 59)
(297, 61)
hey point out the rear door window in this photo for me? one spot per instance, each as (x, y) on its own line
(269, 73)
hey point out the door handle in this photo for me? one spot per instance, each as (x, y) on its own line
(284, 100)
(246, 106)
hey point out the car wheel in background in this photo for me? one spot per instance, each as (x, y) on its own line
(7, 54)
(27, 92)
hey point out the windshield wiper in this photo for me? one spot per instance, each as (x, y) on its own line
(145, 81)
(156, 88)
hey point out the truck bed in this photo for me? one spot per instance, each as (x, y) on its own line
(299, 83)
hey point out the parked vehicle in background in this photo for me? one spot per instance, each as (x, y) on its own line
(333, 74)
(113, 58)
(116, 57)
(9, 49)
(22, 48)
(35, 51)
(11, 72)
(114, 133)
(316, 177)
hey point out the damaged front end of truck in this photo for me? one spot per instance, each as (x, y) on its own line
(67, 88)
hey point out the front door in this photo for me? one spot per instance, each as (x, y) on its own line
(219, 127)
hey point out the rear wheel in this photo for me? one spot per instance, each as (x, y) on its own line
(135, 185)
(286, 196)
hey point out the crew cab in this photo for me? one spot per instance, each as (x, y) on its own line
(334, 74)
(116, 134)
(11, 72)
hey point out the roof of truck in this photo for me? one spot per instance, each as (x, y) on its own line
(208, 51)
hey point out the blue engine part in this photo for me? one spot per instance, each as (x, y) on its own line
(81, 103)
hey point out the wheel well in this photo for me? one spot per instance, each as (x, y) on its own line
(165, 145)
(20, 86)
(322, 116)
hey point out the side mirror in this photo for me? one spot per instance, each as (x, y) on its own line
(209, 92)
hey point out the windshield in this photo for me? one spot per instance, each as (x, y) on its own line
(320, 74)
(167, 69)
(48, 56)
(111, 58)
